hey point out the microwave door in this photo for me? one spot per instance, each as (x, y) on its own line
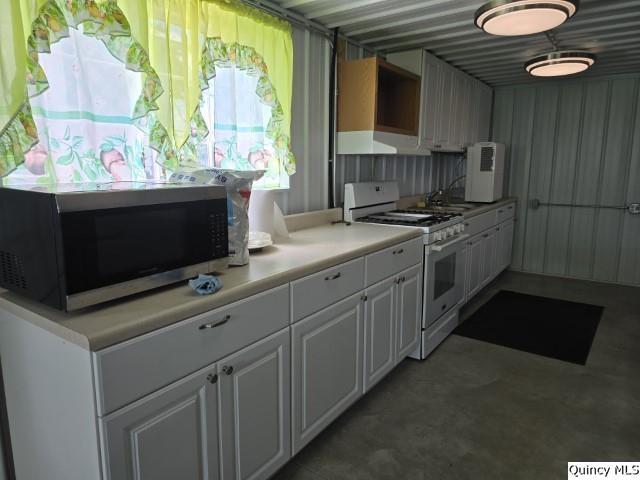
(444, 281)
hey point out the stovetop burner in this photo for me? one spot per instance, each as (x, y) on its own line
(409, 218)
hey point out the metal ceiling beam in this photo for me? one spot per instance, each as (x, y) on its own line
(390, 12)
(472, 31)
(297, 3)
(492, 41)
(343, 8)
(409, 20)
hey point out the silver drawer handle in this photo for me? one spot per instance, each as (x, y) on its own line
(333, 277)
(398, 252)
(215, 324)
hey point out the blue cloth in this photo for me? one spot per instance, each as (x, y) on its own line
(205, 284)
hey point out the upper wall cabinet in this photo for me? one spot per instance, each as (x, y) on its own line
(378, 108)
(455, 111)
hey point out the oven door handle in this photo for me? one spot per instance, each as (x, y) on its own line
(438, 247)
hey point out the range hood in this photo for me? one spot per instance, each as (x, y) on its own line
(379, 143)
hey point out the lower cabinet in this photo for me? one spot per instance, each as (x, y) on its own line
(228, 421)
(170, 434)
(326, 367)
(505, 244)
(489, 270)
(255, 400)
(392, 323)
(379, 331)
(488, 253)
(475, 265)
(409, 313)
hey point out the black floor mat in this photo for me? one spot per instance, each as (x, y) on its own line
(544, 326)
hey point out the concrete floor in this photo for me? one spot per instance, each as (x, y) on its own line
(479, 411)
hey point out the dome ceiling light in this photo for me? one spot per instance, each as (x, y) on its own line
(560, 63)
(523, 17)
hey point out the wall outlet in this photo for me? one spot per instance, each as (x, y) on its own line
(634, 208)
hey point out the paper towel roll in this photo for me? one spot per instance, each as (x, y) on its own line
(261, 211)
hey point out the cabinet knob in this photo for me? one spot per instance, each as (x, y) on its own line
(364, 298)
(215, 324)
(333, 277)
(500, 211)
(212, 378)
(398, 252)
(486, 235)
(227, 369)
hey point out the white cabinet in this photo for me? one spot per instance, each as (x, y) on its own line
(326, 367)
(505, 244)
(488, 252)
(379, 331)
(170, 434)
(409, 313)
(392, 323)
(489, 270)
(475, 265)
(456, 108)
(255, 399)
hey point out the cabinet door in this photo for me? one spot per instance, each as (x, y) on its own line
(255, 396)
(506, 244)
(327, 367)
(490, 244)
(444, 110)
(475, 266)
(170, 434)
(379, 331)
(431, 96)
(409, 311)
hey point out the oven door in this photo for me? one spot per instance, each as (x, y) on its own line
(444, 277)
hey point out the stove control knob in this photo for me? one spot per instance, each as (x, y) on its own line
(437, 236)
(458, 228)
(461, 225)
(450, 231)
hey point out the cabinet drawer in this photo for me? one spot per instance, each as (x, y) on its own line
(132, 369)
(387, 262)
(315, 292)
(480, 223)
(506, 212)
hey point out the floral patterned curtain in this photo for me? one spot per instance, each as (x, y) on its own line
(96, 109)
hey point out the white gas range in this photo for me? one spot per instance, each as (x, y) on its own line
(444, 253)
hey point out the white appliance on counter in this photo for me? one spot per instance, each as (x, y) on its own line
(485, 172)
(444, 253)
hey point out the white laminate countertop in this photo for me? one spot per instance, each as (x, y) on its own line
(487, 207)
(305, 252)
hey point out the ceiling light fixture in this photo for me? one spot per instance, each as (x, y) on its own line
(560, 63)
(523, 17)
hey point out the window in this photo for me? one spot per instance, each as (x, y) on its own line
(85, 128)
(243, 117)
(97, 111)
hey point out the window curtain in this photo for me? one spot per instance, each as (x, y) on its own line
(167, 44)
(244, 114)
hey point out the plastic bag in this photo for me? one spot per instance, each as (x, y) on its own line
(238, 184)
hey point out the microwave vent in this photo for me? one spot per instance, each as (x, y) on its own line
(486, 159)
(12, 270)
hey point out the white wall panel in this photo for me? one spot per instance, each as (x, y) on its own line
(577, 142)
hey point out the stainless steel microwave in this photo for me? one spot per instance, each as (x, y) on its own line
(74, 246)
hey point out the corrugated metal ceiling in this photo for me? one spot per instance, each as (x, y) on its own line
(609, 28)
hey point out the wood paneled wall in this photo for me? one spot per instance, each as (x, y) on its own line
(575, 142)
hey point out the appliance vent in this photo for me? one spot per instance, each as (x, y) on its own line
(486, 159)
(12, 270)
